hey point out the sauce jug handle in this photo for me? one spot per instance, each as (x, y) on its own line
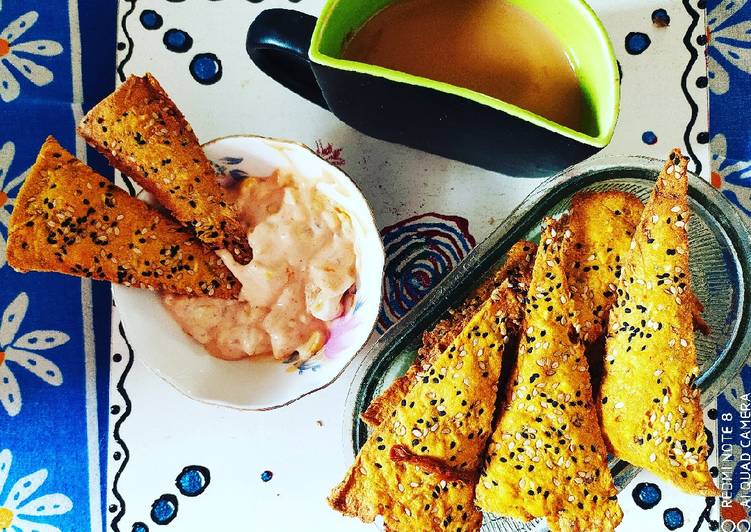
(277, 42)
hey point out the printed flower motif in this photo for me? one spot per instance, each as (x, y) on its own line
(727, 42)
(329, 153)
(20, 351)
(7, 186)
(16, 508)
(734, 178)
(14, 54)
(295, 365)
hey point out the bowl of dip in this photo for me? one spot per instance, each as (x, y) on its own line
(310, 296)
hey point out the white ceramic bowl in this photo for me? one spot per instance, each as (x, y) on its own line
(262, 383)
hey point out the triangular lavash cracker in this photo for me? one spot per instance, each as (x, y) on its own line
(144, 135)
(69, 219)
(515, 272)
(419, 467)
(546, 457)
(649, 401)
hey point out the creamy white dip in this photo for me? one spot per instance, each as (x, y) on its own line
(303, 265)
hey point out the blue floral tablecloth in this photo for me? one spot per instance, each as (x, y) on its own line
(56, 59)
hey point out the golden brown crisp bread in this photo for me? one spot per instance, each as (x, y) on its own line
(419, 467)
(514, 273)
(649, 402)
(145, 136)
(71, 220)
(546, 457)
(602, 225)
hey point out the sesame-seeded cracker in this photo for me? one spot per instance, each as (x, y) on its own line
(547, 457)
(514, 275)
(69, 219)
(649, 400)
(602, 225)
(419, 467)
(144, 135)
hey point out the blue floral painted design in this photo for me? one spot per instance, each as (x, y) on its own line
(224, 167)
(728, 38)
(733, 177)
(10, 46)
(8, 189)
(17, 508)
(302, 366)
(23, 351)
